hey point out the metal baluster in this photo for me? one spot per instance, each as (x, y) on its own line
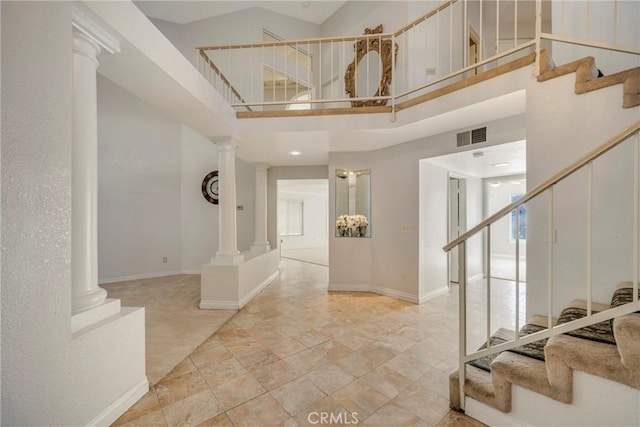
(550, 261)
(589, 235)
(462, 318)
(489, 286)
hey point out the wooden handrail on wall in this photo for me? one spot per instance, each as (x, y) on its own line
(581, 162)
(222, 77)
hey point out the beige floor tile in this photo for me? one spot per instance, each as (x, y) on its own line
(427, 405)
(260, 357)
(306, 361)
(297, 395)
(147, 404)
(354, 340)
(308, 337)
(274, 375)
(407, 366)
(329, 378)
(221, 420)
(214, 352)
(286, 347)
(325, 412)
(193, 410)
(261, 411)
(436, 381)
(386, 381)
(359, 398)
(397, 342)
(238, 390)
(154, 418)
(356, 363)
(392, 415)
(456, 419)
(219, 373)
(180, 387)
(378, 353)
(332, 350)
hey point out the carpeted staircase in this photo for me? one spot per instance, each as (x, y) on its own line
(609, 350)
(588, 77)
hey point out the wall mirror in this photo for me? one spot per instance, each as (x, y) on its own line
(353, 203)
(370, 72)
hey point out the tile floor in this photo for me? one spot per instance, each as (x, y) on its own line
(298, 355)
(174, 325)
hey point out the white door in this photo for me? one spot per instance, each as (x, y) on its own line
(457, 220)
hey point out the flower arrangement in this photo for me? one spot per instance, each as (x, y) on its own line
(352, 225)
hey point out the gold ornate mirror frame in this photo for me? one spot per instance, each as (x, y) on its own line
(363, 47)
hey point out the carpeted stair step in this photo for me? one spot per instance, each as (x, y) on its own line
(587, 78)
(609, 350)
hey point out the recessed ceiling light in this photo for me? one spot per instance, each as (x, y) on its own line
(515, 182)
(494, 184)
(295, 153)
(501, 164)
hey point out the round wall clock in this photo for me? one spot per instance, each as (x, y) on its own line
(210, 187)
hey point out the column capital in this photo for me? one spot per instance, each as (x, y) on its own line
(259, 166)
(225, 143)
(84, 24)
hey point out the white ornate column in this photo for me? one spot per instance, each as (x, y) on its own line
(227, 253)
(260, 244)
(88, 39)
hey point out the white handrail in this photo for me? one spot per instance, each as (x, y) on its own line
(592, 155)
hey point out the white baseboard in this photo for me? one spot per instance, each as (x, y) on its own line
(243, 301)
(190, 272)
(342, 287)
(120, 406)
(139, 276)
(433, 294)
(218, 305)
(404, 296)
(475, 277)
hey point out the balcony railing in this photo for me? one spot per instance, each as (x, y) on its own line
(378, 70)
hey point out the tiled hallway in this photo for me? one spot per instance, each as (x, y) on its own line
(297, 353)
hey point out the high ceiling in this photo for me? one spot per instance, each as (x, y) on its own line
(185, 11)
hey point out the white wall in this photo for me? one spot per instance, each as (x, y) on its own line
(286, 172)
(561, 127)
(395, 191)
(597, 21)
(314, 220)
(432, 262)
(496, 199)
(138, 187)
(48, 376)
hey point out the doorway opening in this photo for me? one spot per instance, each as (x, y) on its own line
(303, 219)
(457, 223)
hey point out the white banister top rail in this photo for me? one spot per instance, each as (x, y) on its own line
(584, 160)
(298, 41)
(426, 16)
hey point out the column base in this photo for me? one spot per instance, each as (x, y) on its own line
(95, 315)
(88, 300)
(227, 260)
(260, 248)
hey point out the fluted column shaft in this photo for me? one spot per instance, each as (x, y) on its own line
(260, 243)
(227, 229)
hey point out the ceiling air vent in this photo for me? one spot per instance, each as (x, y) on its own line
(474, 136)
(479, 135)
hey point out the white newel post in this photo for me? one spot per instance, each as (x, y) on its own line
(227, 233)
(260, 244)
(88, 39)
